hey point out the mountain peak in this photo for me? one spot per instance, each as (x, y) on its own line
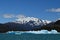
(35, 21)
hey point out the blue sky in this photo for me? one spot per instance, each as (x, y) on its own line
(43, 9)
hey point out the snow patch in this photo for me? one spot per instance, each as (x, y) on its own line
(23, 20)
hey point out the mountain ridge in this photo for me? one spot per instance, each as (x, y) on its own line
(32, 24)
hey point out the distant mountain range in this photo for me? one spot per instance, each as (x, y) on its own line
(30, 24)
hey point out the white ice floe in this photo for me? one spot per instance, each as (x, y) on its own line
(34, 32)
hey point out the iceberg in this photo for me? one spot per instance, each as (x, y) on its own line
(34, 32)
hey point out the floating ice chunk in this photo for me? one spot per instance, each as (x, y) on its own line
(34, 32)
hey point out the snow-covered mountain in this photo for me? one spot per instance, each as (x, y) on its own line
(30, 24)
(31, 21)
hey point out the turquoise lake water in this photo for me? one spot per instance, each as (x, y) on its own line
(27, 36)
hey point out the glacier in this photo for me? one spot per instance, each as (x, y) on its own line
(33, 32)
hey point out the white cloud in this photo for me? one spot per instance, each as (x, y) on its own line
(20, 16)
(8, 16)
(54, 10)
(12, 16)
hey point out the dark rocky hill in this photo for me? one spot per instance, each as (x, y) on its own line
(11, 26)
(52, 26)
